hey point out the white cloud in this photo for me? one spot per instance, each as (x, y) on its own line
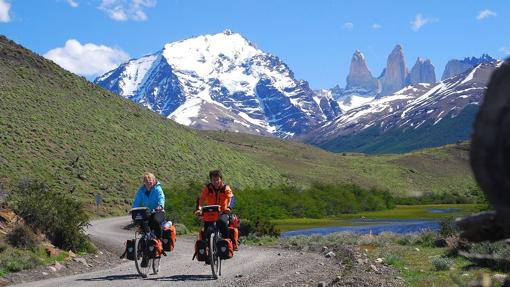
(88, 59)
(419, 22)
(376, 26)
(348, 26)
(485, 14)
(123, 10)
(4, 11)
(73, 3)
(505, 50)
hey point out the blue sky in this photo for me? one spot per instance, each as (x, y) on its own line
(315, 38)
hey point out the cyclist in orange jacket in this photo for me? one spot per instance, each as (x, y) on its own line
(217, 193)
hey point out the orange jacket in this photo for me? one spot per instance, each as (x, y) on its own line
(221, 197)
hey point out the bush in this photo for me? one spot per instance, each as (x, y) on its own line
(14, 260)
(22, 237)
(500, 252)
(472, 195)
(181, 229)
(258, 227)
(442, 263)
(393, 260)
(426, 238)
(448, 227)
(61, 218)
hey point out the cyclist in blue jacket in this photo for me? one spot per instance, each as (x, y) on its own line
(151, 195)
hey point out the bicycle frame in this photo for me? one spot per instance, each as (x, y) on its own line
(210, 216)
(142, 234)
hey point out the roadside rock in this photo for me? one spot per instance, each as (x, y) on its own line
(372, 266)
(330, 254)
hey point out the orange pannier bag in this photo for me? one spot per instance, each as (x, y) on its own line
(234, 235)
(225, 248)
(154, 248)
(169, 237)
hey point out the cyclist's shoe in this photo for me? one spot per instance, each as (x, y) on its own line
(144, 262)
(236, 248)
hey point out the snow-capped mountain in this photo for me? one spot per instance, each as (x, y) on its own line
(222, 81)
(420, 115)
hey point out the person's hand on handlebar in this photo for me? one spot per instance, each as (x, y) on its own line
(198, 212)
(227, 211)
(158, 209)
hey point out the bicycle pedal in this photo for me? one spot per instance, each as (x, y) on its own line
(164, 253)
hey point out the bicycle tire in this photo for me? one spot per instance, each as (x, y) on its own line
(139, 255)
(155, 265)
(213, 255)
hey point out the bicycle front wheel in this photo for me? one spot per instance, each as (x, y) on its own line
(213, 256)
(155, 265)
(142, 262)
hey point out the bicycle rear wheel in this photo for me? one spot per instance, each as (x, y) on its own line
(213, 256)
(142, 263)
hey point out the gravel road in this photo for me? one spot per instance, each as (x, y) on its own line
(250, 266)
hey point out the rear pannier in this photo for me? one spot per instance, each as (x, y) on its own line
(225, 248)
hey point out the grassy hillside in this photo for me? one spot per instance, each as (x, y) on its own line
(435, 170)
(398, 140)
(61, 128)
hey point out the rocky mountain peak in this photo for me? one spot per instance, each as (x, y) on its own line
(396, 73)
(359, 75)
(455, 66)
(422, 72)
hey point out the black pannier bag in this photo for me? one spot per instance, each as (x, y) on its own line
(154, 248)
(225, 248)
(129, 252)
(201, 250)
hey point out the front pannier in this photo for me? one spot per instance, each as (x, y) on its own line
(154, 248)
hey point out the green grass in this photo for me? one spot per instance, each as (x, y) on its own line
(399, 212)
(413, 260)
(17, 259)
(418, 269)
(434, 170)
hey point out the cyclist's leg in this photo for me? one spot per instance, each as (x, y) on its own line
(155, 223)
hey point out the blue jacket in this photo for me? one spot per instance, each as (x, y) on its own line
(150, 199)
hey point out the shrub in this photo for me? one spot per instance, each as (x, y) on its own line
(259, 227)
(14, 260)
(22, 237)
(426, 238)
(442, 263)
(393, 260)
(61, 218)
(448, 227)
(181, 229)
